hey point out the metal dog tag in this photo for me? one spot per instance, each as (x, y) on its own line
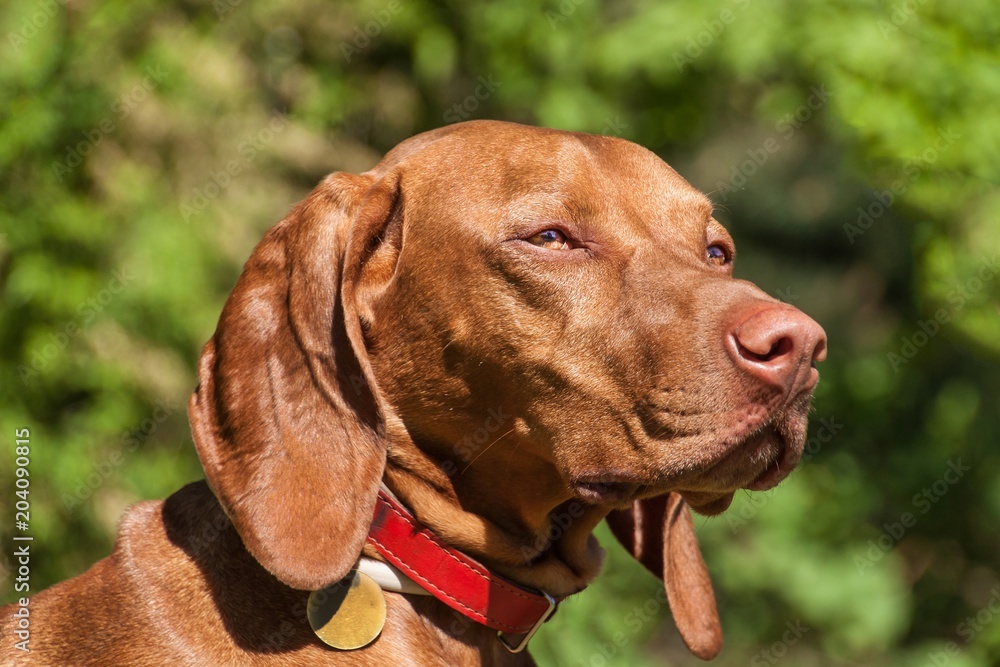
(350, 613)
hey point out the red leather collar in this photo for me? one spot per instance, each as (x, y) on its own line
(455, 579)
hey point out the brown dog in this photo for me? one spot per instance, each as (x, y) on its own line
(502, 324)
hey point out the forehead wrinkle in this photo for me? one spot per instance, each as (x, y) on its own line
(590, 181)
(560, 174)
(577, 160)
(654, 196)
(684, 215)
(571, 184)
(695, 204)
(529, 204)
(636, 166)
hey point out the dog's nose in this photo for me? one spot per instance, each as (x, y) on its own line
(778, 345)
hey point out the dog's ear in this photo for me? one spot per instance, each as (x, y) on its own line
(659, 533)
(287, 418)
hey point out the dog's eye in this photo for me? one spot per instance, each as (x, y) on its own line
(552, 239)
(717, 254)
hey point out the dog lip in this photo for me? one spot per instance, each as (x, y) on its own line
(758, 460)
(779, 464)
(768, 479)
(708, 504)
(602, 491)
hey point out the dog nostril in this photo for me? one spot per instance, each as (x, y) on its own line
(775, 349)
(775, 345)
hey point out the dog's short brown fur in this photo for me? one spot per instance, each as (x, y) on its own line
(569, 295)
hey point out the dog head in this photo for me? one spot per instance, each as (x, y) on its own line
(573, 286)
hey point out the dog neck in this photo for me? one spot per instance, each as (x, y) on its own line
(518, 521)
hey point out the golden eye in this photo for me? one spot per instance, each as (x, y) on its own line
(552, 239)
(717, 254)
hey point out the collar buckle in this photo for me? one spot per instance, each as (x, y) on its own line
(522, 643)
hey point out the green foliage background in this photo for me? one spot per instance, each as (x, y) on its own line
(145, 147)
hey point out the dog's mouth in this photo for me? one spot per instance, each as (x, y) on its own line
(605, 491)
(771, 477)
(764, 459)
(758, 461)
(756, 455)
(765, 447)
(708, 504)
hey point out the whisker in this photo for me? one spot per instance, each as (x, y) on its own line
(502, 436)
(510, 457)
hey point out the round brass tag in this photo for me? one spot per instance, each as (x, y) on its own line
(350, 613)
